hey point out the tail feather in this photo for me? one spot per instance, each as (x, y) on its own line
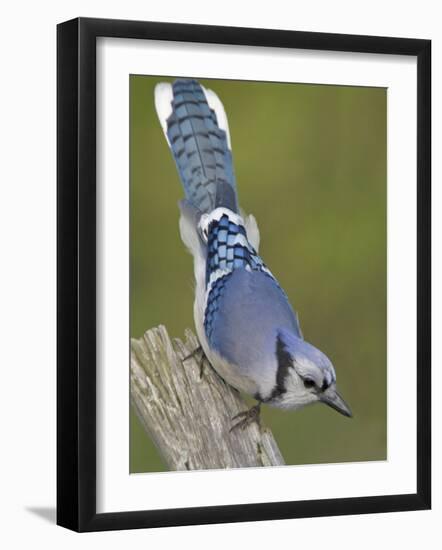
(196, 129)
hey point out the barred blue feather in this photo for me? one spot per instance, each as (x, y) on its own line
(200, 149)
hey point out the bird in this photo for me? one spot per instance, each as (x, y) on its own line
(244, 321)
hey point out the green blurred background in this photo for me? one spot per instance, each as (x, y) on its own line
(310, 164)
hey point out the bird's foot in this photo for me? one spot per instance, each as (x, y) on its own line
(200, 360)
(247, 417)
(193, 353)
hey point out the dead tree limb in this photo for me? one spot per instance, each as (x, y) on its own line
(187, 410)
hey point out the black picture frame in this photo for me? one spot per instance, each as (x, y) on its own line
(76, 273)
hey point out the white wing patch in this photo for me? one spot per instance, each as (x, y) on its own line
(215, 103)
(163, 104)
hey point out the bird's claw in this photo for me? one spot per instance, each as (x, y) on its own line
(247, 417)
(192, 354)
(200, 361)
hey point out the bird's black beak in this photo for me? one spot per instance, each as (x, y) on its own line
(332, 398)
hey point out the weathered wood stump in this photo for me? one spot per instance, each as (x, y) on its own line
(187, 409)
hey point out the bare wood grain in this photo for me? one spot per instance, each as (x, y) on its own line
(187, 410)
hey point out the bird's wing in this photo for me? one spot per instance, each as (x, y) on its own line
(245, 311)
(245, 305)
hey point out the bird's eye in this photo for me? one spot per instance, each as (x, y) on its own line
(309, 383)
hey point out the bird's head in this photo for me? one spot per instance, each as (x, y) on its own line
(305, 375)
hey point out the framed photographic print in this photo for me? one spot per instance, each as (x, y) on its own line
(243, 274)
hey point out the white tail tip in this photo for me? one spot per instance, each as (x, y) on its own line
(163, 104)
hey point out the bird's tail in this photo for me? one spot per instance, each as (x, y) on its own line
(196, 129)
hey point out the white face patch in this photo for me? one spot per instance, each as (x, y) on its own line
(295, 395)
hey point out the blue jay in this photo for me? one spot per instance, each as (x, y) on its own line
(244, 321)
